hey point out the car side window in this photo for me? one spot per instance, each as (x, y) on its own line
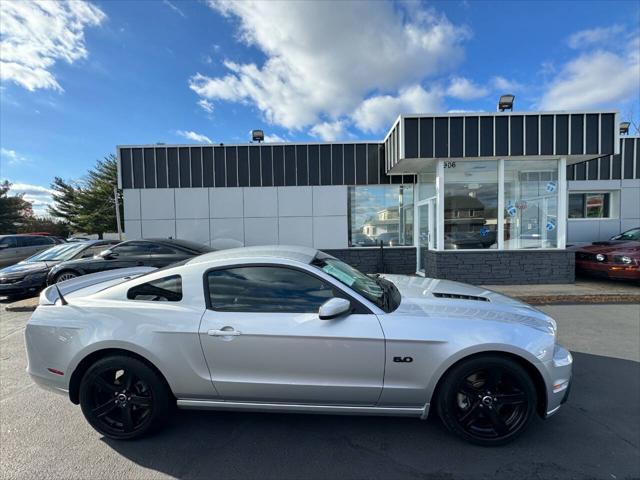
(157, 249)
(10, 242)
(266, 289)
(167, 289)
(131, 249)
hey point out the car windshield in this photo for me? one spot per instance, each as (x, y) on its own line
(62, 252)
(629, 235)
(366, 286)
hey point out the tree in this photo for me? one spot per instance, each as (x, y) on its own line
(88, 205)
(14, 210)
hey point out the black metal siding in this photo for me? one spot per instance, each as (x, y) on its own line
(531, 134)
(255, 174)
(149, 168)
(207, 167)
(126, 168)
(243, 166)
(562, 134)
(577, 134)
(456, 137)
(426, 138)
(184, 166)
(627, 159)
(196, 166)
(442, 137)
(138, 180)
(302, 174)
(266, 162)
(411, 138)
(546, 135)
(502, 136)
(593, 134)
(161, 167)
(517, 135)
(486, 136)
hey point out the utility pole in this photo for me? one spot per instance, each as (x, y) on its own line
(115, 196)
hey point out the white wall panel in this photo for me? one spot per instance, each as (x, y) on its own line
(295, 231)
(630, 203)
(225, 202)
(330, 200)
(261, 231)
(295, 201)
(132, 229)
(131, 200)
(158, 228)
(330, 232)
(192, 203)
(157, 204)
(227, 233)
(194, 230)
(260, 202)
(629, 223)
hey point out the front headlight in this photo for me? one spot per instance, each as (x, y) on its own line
(626, 260)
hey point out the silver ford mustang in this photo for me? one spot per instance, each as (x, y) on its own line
(292, 329)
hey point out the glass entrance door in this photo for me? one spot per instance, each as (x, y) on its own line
(425, 231)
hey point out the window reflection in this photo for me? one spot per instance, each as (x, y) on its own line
(470, 205)
(380, 214)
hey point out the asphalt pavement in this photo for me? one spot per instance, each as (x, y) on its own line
(595, 435)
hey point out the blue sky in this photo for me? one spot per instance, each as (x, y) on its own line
(78, 79)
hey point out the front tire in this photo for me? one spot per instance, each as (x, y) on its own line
(123, 398)
(487, 400)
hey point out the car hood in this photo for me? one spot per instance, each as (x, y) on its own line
(25, 268)
(430, 296)
(612, 247)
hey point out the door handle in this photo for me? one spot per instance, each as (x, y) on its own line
(224, 333)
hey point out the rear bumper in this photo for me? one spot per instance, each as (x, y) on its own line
(559, 372)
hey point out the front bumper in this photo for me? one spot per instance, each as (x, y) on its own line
(559, 377)
(23, 286)
(617, 271)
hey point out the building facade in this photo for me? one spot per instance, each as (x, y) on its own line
(479, 197)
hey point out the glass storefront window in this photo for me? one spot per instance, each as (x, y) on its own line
(380, 213)
(470, 204)
(531, 204)
(589, 205)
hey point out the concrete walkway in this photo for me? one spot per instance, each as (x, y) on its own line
(585, 290)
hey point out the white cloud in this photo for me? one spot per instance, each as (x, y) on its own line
(596, 36)
(40, 197)
(34, 35)
(504, 85)
(206, 105)
(316, 69)
(595, 79)
(11, 156)
(174, 8)
(465, 89)
(379, 112)
(273, 139)
(195, 136)
(329, 131)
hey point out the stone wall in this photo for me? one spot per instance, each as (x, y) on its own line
(502, 267)
(372, 260)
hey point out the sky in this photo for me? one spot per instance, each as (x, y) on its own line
(78, 78)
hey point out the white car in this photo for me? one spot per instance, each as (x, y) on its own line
(295, 330)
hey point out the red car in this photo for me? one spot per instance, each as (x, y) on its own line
(617, 258)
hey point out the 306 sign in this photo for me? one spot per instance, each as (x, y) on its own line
(449, 164)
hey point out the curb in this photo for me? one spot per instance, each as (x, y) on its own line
(578, 299)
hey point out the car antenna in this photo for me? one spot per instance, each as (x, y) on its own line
(62, 299)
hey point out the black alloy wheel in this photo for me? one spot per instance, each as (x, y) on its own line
(487, 400)
(122, 398)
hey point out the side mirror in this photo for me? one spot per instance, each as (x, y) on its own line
(108, 254)
(333, 308)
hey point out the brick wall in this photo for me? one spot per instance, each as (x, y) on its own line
(502, 267)
(370, 260)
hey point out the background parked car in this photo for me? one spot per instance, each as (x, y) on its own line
(30, 275)
(157, 252)
(14, 248)
(617, 258)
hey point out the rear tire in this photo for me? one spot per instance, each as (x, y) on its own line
(65, 275)
(488, 400)
(123, 398)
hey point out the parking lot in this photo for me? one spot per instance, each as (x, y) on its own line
(596, 435)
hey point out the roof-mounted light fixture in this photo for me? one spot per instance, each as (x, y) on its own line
(257, 136)
(624, 128)
(506, 102)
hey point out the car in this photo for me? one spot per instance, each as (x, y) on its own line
(617, 258)
(154, 252)
(30, 275)
(292, 329)
(359, 239)
(390, 239)
(14, 248)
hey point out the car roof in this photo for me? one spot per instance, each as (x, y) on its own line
(287, 252)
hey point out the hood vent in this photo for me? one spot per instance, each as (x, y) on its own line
(459, 296)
